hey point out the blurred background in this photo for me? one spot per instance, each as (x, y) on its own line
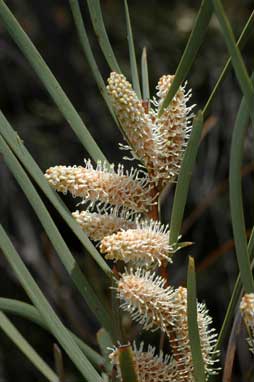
(163, 27)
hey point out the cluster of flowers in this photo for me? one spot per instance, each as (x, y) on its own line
(247, 311)
(119, 207)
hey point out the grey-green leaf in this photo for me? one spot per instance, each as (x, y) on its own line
(184, 178)
(17, 338)
(132, 54)
(195, 40)
(30, 313)
(56, 327)
(197, 358)
(101, 34)
(49, 81)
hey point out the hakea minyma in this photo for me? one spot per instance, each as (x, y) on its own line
(97, 225)
(150, 303)
(145, 245)
(149, 366)
(247, 311)
(103, 184)
(158, 142)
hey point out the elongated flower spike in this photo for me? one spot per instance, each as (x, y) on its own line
(144, 296)
(181, 344)
(247, 311)
(174, 128)
(104, 184)
(146, 245)
(149, 366)
(158, 142)
(136, 123)
(98, 225)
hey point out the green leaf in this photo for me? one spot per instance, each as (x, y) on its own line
(184, 178)
(84, 41)
(116, 313)
(55, 237)
(105, 343)
(236, 199)
(145, 76)
(127, 364)
(195, 40)
(101, 34)
(237, 60)
(105, 378)
(132, 54)
(251, 245)
(30, 313)
(49, 81)
(16, 144)
(197, 358)
(55, 325)
(248, 28)
(10, 330)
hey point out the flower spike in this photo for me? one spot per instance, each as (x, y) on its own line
(149, 366)
(145, 245)
(158, 142)
(104, 184)
(144, 296)
(174, 127)
(136, 123)
(247, 311)
(97, 225)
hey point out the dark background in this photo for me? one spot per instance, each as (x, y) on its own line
(163, 27)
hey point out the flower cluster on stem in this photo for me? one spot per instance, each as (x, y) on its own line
(121, 204)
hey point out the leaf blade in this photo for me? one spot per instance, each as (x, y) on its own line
(184, 178)
(241, 43)
(84, 41)
(17, 338)
(237, 60)
(197, 357)
(101, 34)
(29, 312)
(145, 76)
(127, 364)
(49, 81)
(57, 328)
(132, 54)
(195, 40)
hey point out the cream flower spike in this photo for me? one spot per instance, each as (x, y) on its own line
(174, 127)
(149, 366)
(146, 245)
(180, 342)
(158, 142)
(144, 296)
(98, 225)
(104, 184)
(247, 311)
(136, 123)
